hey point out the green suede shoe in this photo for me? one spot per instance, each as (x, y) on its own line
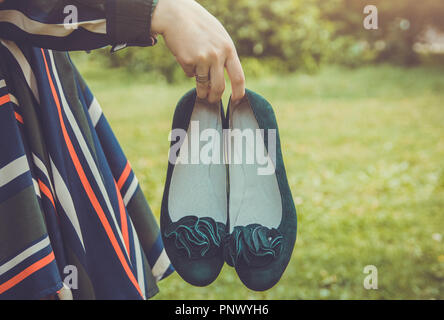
(262, 215)
(194, 206)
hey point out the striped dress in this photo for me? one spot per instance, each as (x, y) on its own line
(73, 220)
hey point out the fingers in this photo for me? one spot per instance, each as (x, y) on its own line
(188, 68)
(217, 82)
(202, 87)
(237, 77)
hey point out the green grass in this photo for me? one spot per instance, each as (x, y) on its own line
(364, 151)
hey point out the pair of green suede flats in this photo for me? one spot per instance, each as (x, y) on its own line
(226, 196)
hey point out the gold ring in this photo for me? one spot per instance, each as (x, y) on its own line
(202, 79)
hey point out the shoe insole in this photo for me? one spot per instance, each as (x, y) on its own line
(198, 186)
(254, 198)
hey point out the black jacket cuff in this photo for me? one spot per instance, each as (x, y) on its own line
(128, 22)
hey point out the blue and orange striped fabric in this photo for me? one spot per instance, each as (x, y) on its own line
(69, 199)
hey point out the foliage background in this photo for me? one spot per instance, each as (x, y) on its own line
(361, 121)
(287, 35)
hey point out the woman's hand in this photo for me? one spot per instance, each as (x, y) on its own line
(201, 45)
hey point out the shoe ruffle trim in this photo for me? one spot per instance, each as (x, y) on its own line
(196, 237)
(253, 245)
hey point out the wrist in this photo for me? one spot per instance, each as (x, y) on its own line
(157, 21)
(167, 13)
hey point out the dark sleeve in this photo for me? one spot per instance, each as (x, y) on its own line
(77, 24)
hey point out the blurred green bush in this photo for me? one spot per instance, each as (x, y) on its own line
(290, 30)
(269, 36)
(287, 35)
(401, 24)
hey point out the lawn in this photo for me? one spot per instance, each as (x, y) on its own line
(364, 152)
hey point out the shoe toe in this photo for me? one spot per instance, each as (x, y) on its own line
(199, 272)
(259, 279)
